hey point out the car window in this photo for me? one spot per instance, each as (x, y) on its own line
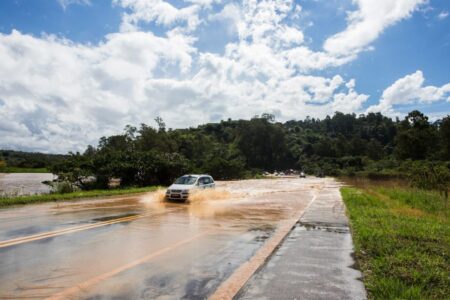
(207, 180)
(188, 179)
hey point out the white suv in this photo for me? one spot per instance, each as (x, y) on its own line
(179, 190)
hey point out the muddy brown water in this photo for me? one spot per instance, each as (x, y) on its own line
(24, 183)
(140, 247)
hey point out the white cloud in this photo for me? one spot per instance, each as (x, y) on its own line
(230, 14)
(351, 101)
(367, 22)
(443, 15)
(66, 3)
(409, 90)
(162, 13)
(60, 93)
(57, 95)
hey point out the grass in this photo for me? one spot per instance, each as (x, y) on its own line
(7, 201)
(23, 170)
(402, 241)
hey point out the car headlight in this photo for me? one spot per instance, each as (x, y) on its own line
(185, 192)
(168, 192)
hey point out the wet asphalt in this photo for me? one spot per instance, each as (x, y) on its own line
(140, 247)
(316, 259)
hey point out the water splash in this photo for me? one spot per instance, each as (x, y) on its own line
(208, 195)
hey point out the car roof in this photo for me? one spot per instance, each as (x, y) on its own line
(198, 175)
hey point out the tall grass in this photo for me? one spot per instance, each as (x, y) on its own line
(7, 201)
(23, 170)
(402, 241)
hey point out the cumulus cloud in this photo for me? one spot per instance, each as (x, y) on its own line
(231, 15)
(409, 90)
(57, 95)
(162, 13)
(367, 22)
(54, 90)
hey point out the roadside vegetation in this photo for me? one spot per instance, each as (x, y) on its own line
(23, 170)
(402, 240)
(15, 200)
(28, 162)
(371, 145)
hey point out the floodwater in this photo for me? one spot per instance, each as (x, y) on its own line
(141, 247)
(24, 183)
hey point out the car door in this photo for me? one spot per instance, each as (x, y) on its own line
(211, 182)
(207, 182)
(202, 183)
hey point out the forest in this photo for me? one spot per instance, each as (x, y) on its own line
(369, 145)
(20, 161)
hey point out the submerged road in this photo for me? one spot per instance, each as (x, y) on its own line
(140, 247)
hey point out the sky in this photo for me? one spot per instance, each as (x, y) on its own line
(72, 71)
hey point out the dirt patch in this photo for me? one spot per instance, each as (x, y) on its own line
(408, 211)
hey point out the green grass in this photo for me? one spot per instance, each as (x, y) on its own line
(23, 170)
(7, 201)
(402, 241)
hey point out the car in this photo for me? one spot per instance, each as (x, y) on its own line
(181, 188)
(302, 175)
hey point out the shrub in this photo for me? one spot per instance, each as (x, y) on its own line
(63, 187)
(430, 176)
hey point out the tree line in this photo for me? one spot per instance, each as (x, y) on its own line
(342, 144)
(29, 160)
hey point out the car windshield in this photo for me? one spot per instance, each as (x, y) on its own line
(186, 180)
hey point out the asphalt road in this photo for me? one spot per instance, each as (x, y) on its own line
(315, 261)
(141, 247)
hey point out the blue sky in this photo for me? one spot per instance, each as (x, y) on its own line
(74, 70)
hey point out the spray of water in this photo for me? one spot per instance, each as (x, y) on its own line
(158, 197)
(208, 195)
(154, 198)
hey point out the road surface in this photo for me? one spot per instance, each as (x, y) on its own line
(139, 247)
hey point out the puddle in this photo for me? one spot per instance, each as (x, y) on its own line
(328, 227)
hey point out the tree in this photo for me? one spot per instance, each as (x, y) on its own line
(161, 124)
(341, 144)
(375, 150)
(262, 143)
(444, 131)
(415, 138)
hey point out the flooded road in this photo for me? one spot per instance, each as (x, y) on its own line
(24, 183)
(140, 247)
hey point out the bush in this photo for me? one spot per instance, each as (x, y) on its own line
(63, 187)
(430, 176)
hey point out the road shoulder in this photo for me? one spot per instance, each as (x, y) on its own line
(315, 260)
